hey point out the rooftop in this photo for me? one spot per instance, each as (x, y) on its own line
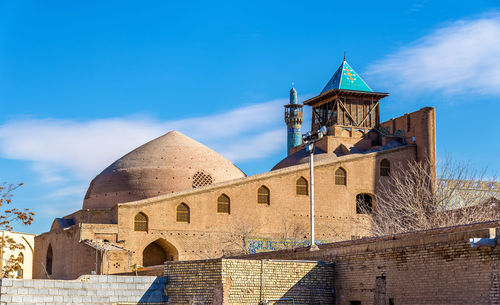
(346, 78)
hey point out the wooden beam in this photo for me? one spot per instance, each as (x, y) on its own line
(370, 111)
(346, 111)
(326, 100)
(334, 105)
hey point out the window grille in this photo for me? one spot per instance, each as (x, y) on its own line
(140, 222)
(340, 176)
(263, 195)
(223, 204)
(201, 179)
(364, 204)
(385, 168)
(301, 186)
(183, 213)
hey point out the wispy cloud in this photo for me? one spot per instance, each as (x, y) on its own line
(463, 57)
(84, 148)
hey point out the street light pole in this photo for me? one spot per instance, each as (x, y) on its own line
(309, 139)
(311, 194)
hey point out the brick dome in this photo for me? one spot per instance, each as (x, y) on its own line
(168, 164)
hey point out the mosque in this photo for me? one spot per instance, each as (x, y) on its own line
(176, 199)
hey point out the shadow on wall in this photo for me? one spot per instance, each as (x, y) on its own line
(156, 292)
(241, 281)
(316, 287)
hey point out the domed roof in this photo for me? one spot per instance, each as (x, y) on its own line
(168, 164)
(301, 157)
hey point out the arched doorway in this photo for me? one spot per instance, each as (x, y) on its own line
(157, 252)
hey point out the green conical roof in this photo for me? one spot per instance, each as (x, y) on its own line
(346, 78)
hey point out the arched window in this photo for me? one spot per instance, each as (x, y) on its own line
(48, 260)
(21, 257)
(20, 273)
(263, 195)
(141, 222)
(340, 176)
(301, 186)
(385, 168)
(223, 204)
(183, 213)
(364, 204)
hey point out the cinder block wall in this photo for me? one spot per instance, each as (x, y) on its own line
(229, 281)
(429, 267)
(93, 289)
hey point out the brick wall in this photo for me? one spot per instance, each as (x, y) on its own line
(229, 281)
(418, 127)
(430, 267)
(93, 289)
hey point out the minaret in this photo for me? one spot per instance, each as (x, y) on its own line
(293, 120)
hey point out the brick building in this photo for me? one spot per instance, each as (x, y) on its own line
(176, 199)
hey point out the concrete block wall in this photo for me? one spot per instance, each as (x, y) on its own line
(89, 289)
(229, 281)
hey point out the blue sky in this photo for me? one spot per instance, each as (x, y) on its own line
(82, 83)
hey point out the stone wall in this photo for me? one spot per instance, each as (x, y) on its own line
(229, 281)
(93, 289)
(429, 267)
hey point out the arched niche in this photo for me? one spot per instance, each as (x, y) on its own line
(159, 251)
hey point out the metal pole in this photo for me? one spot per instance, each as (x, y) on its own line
(96, 260)
(311, 182)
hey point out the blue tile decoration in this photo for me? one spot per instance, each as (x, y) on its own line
(257, 245)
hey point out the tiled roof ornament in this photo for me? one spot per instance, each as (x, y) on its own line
(346, 78)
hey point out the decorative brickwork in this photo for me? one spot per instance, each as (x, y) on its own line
(201, 179)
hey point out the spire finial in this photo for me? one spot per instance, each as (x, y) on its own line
(344, 55)
(293, 95)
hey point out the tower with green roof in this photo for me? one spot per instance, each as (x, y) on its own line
(346, 102)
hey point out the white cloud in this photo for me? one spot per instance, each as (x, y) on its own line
(77, 191)
(463, 57)
(259, 146)
(83, 149)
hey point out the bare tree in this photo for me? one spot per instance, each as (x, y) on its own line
(412, 199)
(342, 230)
(292, 229)
(7, 217)
(242, 229)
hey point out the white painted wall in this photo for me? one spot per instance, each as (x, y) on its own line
(28, 240)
